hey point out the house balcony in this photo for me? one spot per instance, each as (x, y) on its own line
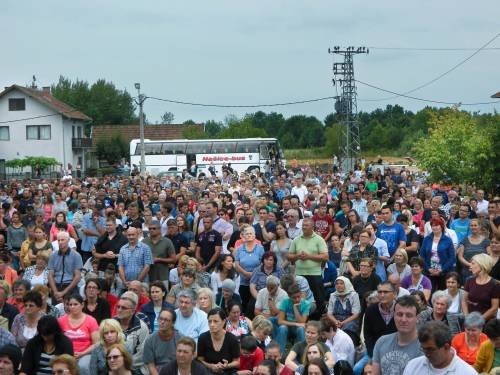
(81, 142)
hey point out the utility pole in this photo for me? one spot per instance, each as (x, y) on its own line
(140, 100)
(346, 105)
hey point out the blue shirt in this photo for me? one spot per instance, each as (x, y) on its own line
(287, 307)
(65, 265)
(192, 326)
(461, 228)
(88, 223)
(249, 260)
(391, 234)
(134, 259)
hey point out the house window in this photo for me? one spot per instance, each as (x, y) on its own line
(17, 104)
(4, 133)
(79, 131)
(38, 132)
(73, 133)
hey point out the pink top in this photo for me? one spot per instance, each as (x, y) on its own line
(54, 231)
(80, 336)
(47, 212)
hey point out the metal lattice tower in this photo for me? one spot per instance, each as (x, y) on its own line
(346, 105)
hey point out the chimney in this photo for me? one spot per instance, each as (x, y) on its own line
(46, 89)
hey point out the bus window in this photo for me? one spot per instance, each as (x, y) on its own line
(152, 149)
(223, 147)
(264, 152)
(174, 148)
(247, 147)
(199, 148)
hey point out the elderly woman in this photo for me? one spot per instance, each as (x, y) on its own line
(269, 266)
(455, 292)
(360, 251)
(206, 300)
(438, 254)
(441, 301)
(488, 352)
(19, 290)
(467, 343)
(248, 257)
(25, 324)
(47, 308)
(64, 364)
(187, 282)
(262, 328)
(344, 306)
(110, 333)
(400, 265)
(236, 322)
(482, 292)
(417, 281)
(476, 243)
(202, 277)
(38, 274)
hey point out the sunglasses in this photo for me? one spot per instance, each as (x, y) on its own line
(113, 357)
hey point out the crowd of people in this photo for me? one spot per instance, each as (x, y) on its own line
(289, 272)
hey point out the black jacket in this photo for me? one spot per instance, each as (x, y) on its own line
(33, 352)
(9, 312)
(375, 326)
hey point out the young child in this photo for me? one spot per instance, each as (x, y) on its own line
(250, 355)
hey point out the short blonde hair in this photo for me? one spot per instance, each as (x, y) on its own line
(261, 323)
(42, 289)
(484, 261)
(69, 361)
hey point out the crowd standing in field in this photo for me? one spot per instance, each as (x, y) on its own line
(292, 271)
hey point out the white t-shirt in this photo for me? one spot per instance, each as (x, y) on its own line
(421, 365)
(72, 244)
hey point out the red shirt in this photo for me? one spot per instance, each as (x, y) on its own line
(322, 225)
(112, 300)
(248, 362)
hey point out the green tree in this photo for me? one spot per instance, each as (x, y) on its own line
(333, 136)
(189, 122)
(213, 128)
(113, 149)
(457, 149)
(102, 100)
(194, 133)
(242, 129)
(167, 118)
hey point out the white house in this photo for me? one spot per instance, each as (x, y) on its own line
(34, 123)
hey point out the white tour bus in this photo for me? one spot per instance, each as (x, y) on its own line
(173, 156)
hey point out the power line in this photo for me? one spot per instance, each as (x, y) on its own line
(421, 99)
(439, 76)
(241, 105)
(36, 117)
(431, 49)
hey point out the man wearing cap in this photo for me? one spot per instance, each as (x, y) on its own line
(10, 359)
(163, 252)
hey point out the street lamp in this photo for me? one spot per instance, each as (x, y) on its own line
(140, 100)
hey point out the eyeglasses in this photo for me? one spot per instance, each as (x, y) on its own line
(120, 307)
(60, 371)
(113, 357)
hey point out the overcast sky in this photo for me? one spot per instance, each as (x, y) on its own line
(252, 52)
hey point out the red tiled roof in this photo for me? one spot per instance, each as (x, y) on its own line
(129, 132)
(45, 97)
(496, 96)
